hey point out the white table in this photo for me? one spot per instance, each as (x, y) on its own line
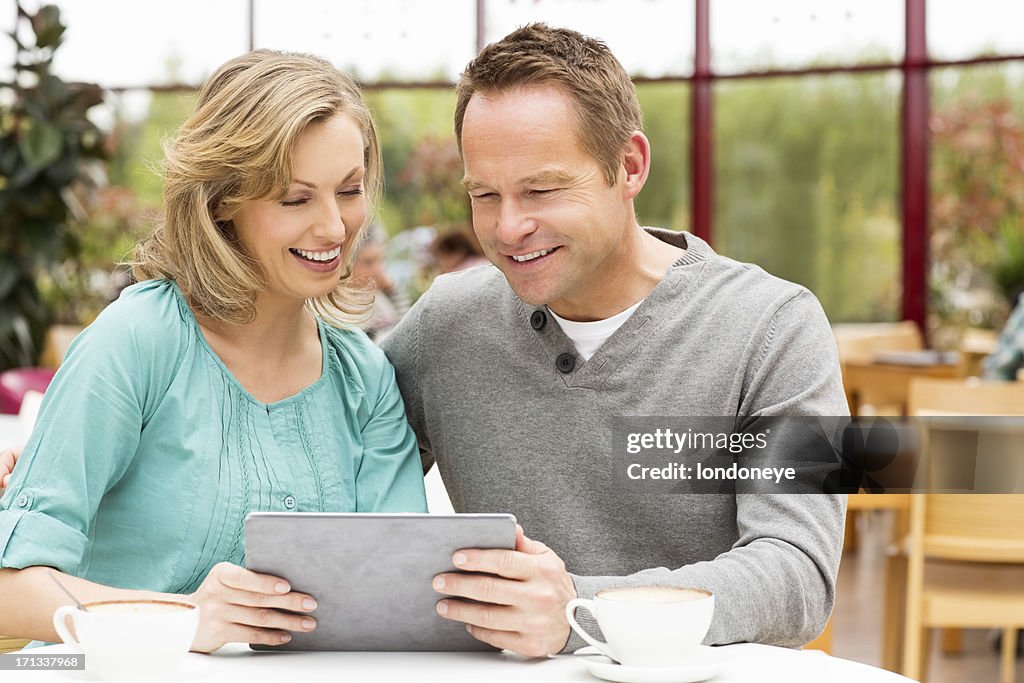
(11, 431)
(746, 663)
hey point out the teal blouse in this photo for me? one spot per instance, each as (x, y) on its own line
(148, 454)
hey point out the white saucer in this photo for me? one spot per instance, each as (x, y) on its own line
(706, 664)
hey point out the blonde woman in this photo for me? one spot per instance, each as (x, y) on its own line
(224, 381)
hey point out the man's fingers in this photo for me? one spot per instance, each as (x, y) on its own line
(510, 564)
(498, 618)
(508, 640)
(483, 588)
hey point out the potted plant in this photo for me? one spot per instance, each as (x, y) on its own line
(45, 140)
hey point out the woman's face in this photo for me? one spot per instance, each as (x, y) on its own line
(298, 240)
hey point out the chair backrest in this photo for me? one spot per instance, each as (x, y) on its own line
(929, 396)
(864, 340)
(973, 527)
(16, 382)
(967, 526)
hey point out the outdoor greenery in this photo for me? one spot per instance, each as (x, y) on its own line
(45, 140)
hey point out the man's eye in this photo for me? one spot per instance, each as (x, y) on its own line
(483, 195)
(544, 191)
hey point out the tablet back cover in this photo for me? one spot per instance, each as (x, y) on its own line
(371, 574)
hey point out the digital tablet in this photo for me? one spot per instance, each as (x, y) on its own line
(371, 573)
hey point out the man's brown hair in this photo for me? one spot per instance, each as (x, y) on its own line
(604, 97)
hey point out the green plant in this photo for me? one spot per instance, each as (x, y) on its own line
(1008, 266)
(45, 137)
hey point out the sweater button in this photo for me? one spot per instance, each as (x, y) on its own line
(565, 363)
(538, 320)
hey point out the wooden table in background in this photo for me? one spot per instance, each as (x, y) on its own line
(868, 381)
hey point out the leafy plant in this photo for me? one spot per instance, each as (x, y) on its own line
(45, 137)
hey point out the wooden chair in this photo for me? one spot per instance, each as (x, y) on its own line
(860, 342)
(975, 346)
(864, 340)
(965, 563)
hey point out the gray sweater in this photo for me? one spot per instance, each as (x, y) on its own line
(511, 432)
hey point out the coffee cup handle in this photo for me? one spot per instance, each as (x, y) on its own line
(60, 623)
(570, 614)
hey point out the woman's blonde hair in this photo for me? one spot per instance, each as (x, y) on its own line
(237, 147)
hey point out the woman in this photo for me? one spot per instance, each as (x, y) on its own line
(217, 385)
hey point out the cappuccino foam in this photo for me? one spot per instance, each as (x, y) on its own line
(137, 607)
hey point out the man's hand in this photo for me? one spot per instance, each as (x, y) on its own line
(8, 459)
(526, 596)
(240, 606)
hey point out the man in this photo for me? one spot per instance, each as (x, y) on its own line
(512, 375)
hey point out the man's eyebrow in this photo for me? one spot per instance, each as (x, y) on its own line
(546, 177)
(312, 186)
(542, 178)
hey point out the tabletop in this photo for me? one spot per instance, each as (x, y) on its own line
(740, 664)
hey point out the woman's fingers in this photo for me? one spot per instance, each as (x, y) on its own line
(249, 588)
(267, 619)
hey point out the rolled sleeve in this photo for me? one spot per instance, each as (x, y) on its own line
(29, 537)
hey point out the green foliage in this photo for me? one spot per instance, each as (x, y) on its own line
(421, 165)
(977, 222)
(806, 187)
(44, 139)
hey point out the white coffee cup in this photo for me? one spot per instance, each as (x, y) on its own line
(131, 640)
(647, 625)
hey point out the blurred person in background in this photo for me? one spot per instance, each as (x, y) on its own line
(456, 250)
(1006, 363)
(390, 302)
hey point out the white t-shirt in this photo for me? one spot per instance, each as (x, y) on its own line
(588, 337)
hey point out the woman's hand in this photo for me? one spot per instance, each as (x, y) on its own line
(240, 606)
(8, 459)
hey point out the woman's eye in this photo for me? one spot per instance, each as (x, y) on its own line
(351, 193)
(294, 202)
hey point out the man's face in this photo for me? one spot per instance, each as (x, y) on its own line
(542, 208)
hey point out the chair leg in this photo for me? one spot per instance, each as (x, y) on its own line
(952, 641)
(894, 612)
(1008, 661)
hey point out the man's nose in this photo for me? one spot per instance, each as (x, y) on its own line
(514, 224)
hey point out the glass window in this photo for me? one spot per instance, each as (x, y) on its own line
(422, 168)
(962, 30)
(374, 39)
(977, 197)
(665, 199)
(651, 38)
(756, 35)
(806, 186)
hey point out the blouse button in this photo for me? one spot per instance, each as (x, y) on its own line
(289, 502)
(23, 501)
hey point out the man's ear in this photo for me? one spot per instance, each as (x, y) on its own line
(636, 160)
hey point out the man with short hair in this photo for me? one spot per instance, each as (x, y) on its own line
(512, 375)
